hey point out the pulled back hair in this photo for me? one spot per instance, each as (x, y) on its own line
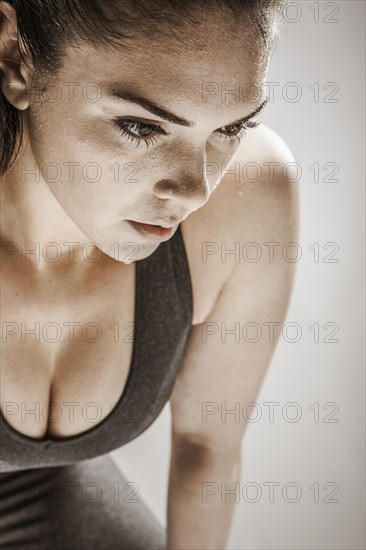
(46, 27)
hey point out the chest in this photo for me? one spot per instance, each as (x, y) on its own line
(64, 359)
(67, 348)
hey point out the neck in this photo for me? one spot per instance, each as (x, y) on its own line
(32, 218)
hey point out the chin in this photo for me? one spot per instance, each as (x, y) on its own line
(129, 252)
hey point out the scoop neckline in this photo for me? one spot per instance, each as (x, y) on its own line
(138, 319)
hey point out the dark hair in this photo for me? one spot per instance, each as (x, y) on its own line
(45, 27)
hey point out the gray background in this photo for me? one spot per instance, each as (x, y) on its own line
(327, 129)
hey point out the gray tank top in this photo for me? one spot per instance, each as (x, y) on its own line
(163, 317)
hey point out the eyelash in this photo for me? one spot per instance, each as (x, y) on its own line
(123, 125)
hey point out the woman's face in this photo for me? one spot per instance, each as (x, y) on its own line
(112, 158)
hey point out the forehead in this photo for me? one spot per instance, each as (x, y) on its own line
(192, 64)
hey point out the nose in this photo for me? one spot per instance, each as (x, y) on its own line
(187, 184)
(186, 191)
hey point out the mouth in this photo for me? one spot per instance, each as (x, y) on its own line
(155, 232)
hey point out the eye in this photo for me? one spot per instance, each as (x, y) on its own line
(235, 132)
(138, 131)
(143, 132)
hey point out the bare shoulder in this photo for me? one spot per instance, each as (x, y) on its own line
(256, 202)
(239, 289)
(262, 180)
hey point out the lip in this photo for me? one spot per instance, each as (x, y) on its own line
(154, 232)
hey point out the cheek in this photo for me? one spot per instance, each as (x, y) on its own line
(219, 160)
(79, 169)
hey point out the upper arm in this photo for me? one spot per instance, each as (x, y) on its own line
(227, 355)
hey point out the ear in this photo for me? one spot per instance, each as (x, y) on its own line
(15, 81)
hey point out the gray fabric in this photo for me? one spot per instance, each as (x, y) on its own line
(84, 506)
(163, 316)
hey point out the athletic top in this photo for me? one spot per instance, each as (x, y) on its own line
(163, 317)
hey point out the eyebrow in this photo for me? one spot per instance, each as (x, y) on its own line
(115, 90)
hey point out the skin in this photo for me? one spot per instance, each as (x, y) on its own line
(171, 174)
(174, 183)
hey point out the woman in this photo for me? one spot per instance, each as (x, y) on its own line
(127, 206)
